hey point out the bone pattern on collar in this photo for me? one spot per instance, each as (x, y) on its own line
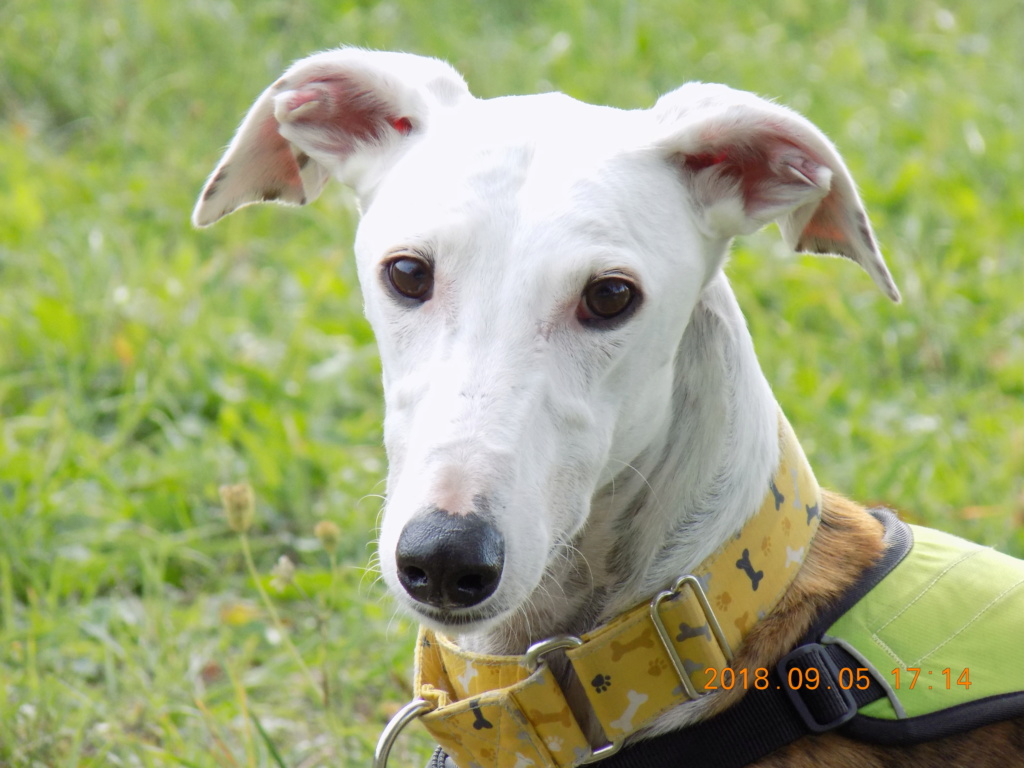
(497, 712)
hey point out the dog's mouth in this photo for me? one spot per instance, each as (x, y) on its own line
(449, 621)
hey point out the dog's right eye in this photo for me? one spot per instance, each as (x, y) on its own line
(411, 277)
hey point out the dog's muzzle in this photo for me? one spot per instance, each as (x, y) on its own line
(450, 561)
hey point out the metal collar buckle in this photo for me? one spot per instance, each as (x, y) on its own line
(666, 639)
(534, 658)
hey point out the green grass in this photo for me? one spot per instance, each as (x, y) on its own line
(143, 364)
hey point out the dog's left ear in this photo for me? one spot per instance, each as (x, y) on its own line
(347, 113)
(748, 162)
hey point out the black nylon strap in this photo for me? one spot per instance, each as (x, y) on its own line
(737, 737)
(764, 720)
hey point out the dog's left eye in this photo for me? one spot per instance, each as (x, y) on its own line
(411, 277)
(606, 298)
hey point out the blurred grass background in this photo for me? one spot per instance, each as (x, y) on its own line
(142, 364)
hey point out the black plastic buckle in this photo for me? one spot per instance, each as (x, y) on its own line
(828, 676)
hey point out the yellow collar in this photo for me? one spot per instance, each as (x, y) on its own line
(509, 711)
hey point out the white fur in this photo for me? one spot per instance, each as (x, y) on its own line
(611, 460)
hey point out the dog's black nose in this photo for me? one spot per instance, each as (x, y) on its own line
(450, 561)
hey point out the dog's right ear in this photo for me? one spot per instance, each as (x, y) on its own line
(748, 162)
(347, 113)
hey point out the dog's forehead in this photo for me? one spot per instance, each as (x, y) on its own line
(517, 160)
(544, 121)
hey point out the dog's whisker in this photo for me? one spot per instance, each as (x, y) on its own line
(380, 516)
(523, 612)
(639, 474)
(578, 562)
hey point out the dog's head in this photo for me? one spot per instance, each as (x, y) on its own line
(529, 265)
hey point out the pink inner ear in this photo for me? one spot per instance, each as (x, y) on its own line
(341, 111)
(700, 162)
(755, 166)
(826, 224)
(280, 162)
(298, 98)
(747, 165)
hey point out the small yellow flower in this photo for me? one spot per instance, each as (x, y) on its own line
(329, 535)
(282, 574)
(239, 506)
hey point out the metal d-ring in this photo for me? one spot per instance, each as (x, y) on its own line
(532, 658)
(405, 715)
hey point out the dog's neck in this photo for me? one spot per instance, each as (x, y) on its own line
(701, 476)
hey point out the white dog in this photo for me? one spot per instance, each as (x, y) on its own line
(575, 413)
